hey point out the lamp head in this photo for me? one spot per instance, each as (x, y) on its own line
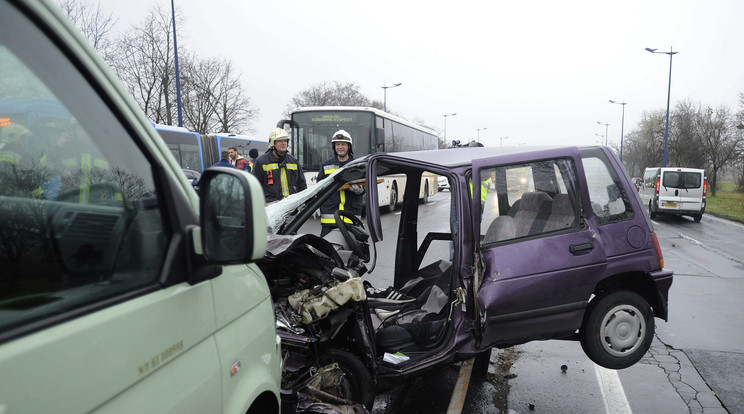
(648, 49)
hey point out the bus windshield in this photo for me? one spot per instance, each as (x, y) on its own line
(312, 143)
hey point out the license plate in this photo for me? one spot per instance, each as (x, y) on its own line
(669, 204)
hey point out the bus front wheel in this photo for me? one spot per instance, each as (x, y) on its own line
(393, 198)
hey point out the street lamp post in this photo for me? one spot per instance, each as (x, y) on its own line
(606, 127)
(622, 126)
(479, 130)
(601, 136)
(445, 125)
(501, 141)
(671, 54)
(385, 88)
(178, 78)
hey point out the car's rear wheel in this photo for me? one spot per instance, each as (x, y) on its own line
(697, 217)
(618, 329)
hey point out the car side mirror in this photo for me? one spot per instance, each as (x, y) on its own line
(232, 218)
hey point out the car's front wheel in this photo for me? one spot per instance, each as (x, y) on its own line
(617, 330)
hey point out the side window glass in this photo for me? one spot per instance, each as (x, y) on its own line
(525, 200)
(608, 198)
(80, 220)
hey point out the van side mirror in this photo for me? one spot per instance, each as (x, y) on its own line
(233, 216)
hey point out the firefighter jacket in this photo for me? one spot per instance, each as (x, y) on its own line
(344, 200)
(278, 177)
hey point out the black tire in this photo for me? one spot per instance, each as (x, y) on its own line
(618, 329)
(393, 199)
(651, 212)
(357, 384)
(697, 218)
(425, 199)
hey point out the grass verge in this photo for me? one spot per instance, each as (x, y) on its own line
(727, 203)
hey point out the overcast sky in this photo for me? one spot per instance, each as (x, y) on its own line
(530, 72)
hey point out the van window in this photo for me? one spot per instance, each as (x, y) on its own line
(607, 195)
(682, 179)
(80, 220)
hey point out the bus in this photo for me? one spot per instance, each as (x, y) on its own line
(372, 130)
(197, 152)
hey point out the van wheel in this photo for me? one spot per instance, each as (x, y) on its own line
(697, 218)
(393, 198)
(618, 329)
(425, 199)
(350, 380)
(651, 212)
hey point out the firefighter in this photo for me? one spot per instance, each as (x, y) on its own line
(277, 170)
(349, 199)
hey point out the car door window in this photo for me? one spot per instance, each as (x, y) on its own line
(607, 195)
(80, 221)
(527, 199)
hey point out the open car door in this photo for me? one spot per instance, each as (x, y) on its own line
(535, 250)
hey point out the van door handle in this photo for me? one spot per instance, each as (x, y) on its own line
(580, 248)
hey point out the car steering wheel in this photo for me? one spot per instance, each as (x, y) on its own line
(354, 244)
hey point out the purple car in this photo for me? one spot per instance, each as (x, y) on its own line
(529, 244)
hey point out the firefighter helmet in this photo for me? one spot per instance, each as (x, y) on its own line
(277, 134)
(341, 136)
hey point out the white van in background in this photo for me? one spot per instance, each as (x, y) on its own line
(679, 191)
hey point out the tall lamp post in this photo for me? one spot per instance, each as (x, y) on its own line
(178, 77)
(445, 125)
(385, 87)
(669, 94)
(501, 141)
(479, 130)
(606, 127)
(622, 126)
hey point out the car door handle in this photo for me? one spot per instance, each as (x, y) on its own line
(580, 248)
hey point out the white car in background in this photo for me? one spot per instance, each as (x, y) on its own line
(443, 183)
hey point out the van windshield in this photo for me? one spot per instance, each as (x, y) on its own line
(681, 179)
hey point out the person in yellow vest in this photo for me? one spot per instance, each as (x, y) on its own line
(277, 170)
(348, 199)
(252, 154)
(78, 175)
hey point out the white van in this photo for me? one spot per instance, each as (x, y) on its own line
(673, 190)
(121, 289)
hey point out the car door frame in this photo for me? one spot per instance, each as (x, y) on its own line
(505, 284)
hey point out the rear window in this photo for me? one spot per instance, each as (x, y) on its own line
(682, 179)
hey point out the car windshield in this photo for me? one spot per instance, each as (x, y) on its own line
(281, 212)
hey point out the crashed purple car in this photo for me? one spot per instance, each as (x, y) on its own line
(529, 244)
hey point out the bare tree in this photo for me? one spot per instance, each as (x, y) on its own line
(145, 65)
(329, 94)
(719, 142)
(213, 97)
(93, 23)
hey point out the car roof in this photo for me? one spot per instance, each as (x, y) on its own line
(459, 157)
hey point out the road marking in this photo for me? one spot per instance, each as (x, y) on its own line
(613, 394)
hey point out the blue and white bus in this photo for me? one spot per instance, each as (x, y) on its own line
(372, 131)
(197, 152)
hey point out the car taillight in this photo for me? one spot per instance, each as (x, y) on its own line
(657, 247)
(705, 187)
(658, 183)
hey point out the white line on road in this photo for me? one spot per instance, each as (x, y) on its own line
(612, 391)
